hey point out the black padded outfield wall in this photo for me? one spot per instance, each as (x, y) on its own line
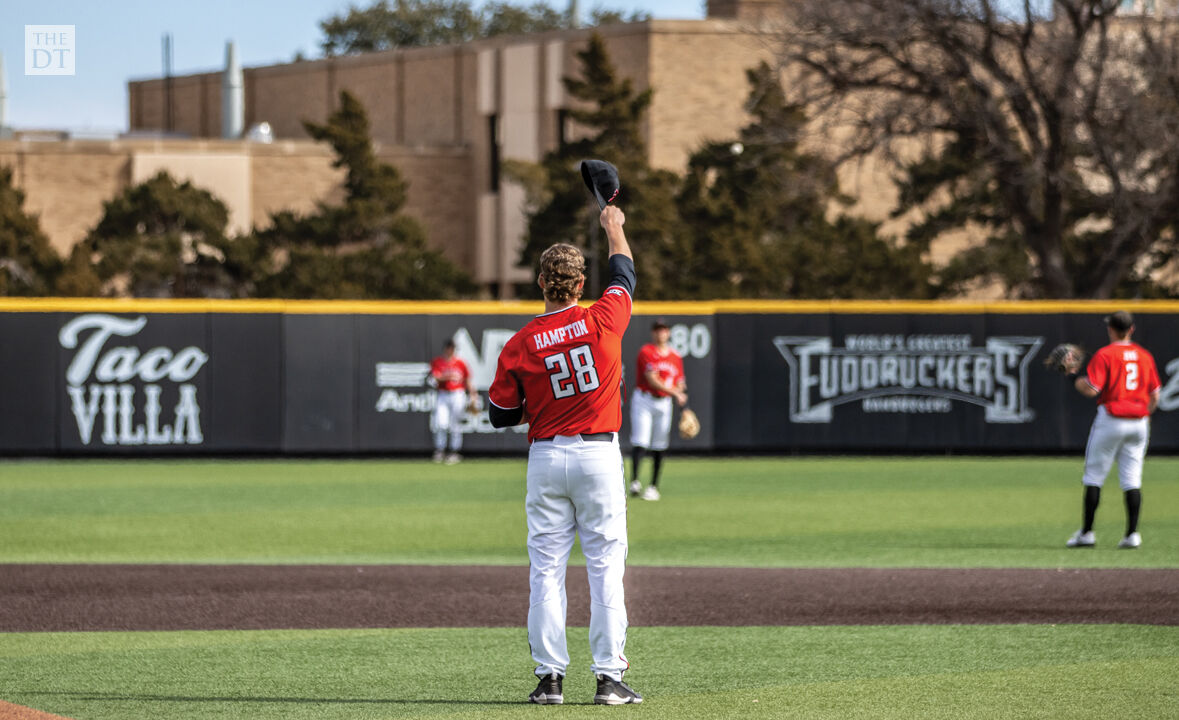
(922, 381)
(151, 383)
(208, 382)
(392, 360)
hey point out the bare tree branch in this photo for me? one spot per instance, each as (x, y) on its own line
(1054, 122)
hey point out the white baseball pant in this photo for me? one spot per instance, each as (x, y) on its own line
(576, 486)
(447, 418)
(650, 420)
(1114, 438)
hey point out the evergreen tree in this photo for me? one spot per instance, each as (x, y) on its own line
(159, 238)
(418, 23)
(407, 23)
(28, 263)
(756, 210)
(559, 207)
(364, 248)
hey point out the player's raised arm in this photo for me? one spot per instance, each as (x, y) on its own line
(621, 264)
(612, 220)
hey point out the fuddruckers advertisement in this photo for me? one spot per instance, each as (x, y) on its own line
(191, 383)
(922, 381)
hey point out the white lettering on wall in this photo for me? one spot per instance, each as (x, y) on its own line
(404, 387)
(102, 384)
(908, 374)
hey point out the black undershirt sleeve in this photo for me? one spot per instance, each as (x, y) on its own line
(622, 272)
(501, 418)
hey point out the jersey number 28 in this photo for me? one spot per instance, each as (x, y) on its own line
(575, 372)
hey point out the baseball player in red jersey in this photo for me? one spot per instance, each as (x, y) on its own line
(452, 380)
(562, 374)
(1124, 379)
(660, 379)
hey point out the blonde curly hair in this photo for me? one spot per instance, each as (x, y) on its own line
(563, 268)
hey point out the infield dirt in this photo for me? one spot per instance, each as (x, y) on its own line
(239, 597)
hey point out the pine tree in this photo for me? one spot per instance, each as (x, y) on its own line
(560, 210)
(756, 210)
(366, 247)
(28, 263)
(158, 238)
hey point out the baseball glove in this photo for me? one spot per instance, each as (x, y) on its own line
(474, 405)
(689, 424)
(1065, 358)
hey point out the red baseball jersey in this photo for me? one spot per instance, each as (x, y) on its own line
(449, 374)
(668, 367)
(565, 368)
(1126, 376)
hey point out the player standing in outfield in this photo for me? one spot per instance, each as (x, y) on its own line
(453, 385)
(1124, 379)
(562, 374)
(660, 372)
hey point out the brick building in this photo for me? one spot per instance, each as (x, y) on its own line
(444, 116)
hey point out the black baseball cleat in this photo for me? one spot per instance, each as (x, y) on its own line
(615, 692)
(548, 691)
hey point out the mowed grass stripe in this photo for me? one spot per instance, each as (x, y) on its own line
(755, 512)
(707, 672)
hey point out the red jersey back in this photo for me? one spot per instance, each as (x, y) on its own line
(1126, 376)
(449, 373)
(565, 368)
(668, 367)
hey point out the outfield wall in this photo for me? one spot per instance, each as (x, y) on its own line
(272, 377)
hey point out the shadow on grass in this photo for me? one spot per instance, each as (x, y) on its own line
(120, 697)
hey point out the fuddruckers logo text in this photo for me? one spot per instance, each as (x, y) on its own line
(908, 374)
(100, 380)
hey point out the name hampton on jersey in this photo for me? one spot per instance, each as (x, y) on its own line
(555, 336)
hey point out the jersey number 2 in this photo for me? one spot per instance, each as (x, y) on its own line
(1131, 376)
(575, 372)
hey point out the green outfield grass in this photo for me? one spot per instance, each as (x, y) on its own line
(800, 512)
(1103, 671)
(769, 512)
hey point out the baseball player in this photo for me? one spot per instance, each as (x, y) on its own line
(1124, 379)
(452, 382)
(562, 374)
(660, 372)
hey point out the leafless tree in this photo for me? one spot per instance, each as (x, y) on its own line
(1054, 126)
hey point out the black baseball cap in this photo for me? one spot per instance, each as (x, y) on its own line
(602, 180)
(659, 323)
(1120, 321)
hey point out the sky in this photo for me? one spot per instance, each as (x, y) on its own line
(119, 40)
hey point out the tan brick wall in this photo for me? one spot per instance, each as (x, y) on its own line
(66, 184)
(439, 197)
(474, 128)
(286, 95)
(375, 82)
(698, 74)
(439, 189)
(430, 102)
(292, 176)
(146, 111)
